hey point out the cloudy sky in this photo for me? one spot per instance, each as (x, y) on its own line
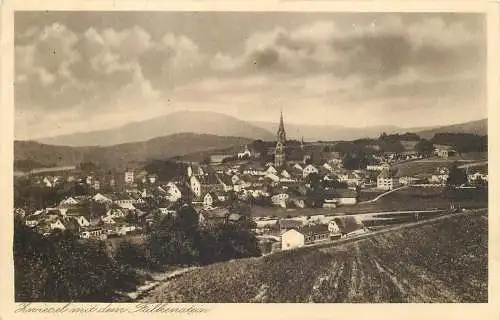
(82, 71)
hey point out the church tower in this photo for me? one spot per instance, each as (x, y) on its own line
(279, 155)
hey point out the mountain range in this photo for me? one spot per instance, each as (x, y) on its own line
(199, 122)
(185, 133)
(204, 122)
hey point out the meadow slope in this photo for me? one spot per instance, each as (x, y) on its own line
(443, 261)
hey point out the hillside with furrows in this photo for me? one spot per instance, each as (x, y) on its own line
(442, 261)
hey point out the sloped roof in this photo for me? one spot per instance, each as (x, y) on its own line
(289, 224)
(314, 229)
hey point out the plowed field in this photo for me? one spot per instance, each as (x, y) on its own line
(443, 261)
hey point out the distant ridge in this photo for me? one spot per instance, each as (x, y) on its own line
(198, 122)
(205, 122)
(123, 154)
(479, 127)
(336, 133)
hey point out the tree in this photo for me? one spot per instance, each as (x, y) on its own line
(457, 176)
(355, 161)
(60, 268)
(314, 180)
(424, 147)
(205, 161)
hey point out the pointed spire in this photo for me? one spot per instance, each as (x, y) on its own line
(282, 125)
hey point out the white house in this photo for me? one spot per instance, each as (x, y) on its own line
(102, 198)
(69, 201)
(328, 167)
(298, 166)
(280, 199)
(346, 196)
(333, 228)
(378, 167)
(299, 237)
(82, 221)
(245, 154)
(195, 185)
(292, 239)
(309, 169)
(209, 199)
(273, 177)
(108, 219)
(271, 170)
(168, 211)
(173, 192)
(387, 181)
(57, 225)
(129, 177)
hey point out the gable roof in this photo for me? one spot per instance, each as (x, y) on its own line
(289, 223)
(314, 229)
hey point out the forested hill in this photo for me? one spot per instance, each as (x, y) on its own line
(118, 155)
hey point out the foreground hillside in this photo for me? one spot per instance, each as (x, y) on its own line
(444, 261)
(158, 148)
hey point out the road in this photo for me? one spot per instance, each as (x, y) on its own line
(471, 165)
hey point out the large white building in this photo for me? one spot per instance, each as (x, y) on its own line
(387, 181)
(299, 237)
(129, 177)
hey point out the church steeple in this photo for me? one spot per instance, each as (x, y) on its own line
(282, 125)
(279, 155)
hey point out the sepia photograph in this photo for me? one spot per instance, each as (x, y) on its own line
(250, 157)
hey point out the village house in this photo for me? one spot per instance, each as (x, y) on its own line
(406, 180)
(173, 191)
(245, 154)
(477, 176)
(213, 198)
(108, 219)
(336, 197)
(387, 181)
(299, 237)
(308, 170)
(280, 199)
(298, 201)
(93, 232)
(378, 166)
(70, 201)
(129, 177)
(271, 170)
(201, 184)
(169, 210)
(444, 151)
(57, 224)
(102, 198)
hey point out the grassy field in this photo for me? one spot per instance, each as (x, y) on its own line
(413, 198)
(443, 261)
(428, 166)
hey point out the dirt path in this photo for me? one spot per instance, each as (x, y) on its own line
(384, 194)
